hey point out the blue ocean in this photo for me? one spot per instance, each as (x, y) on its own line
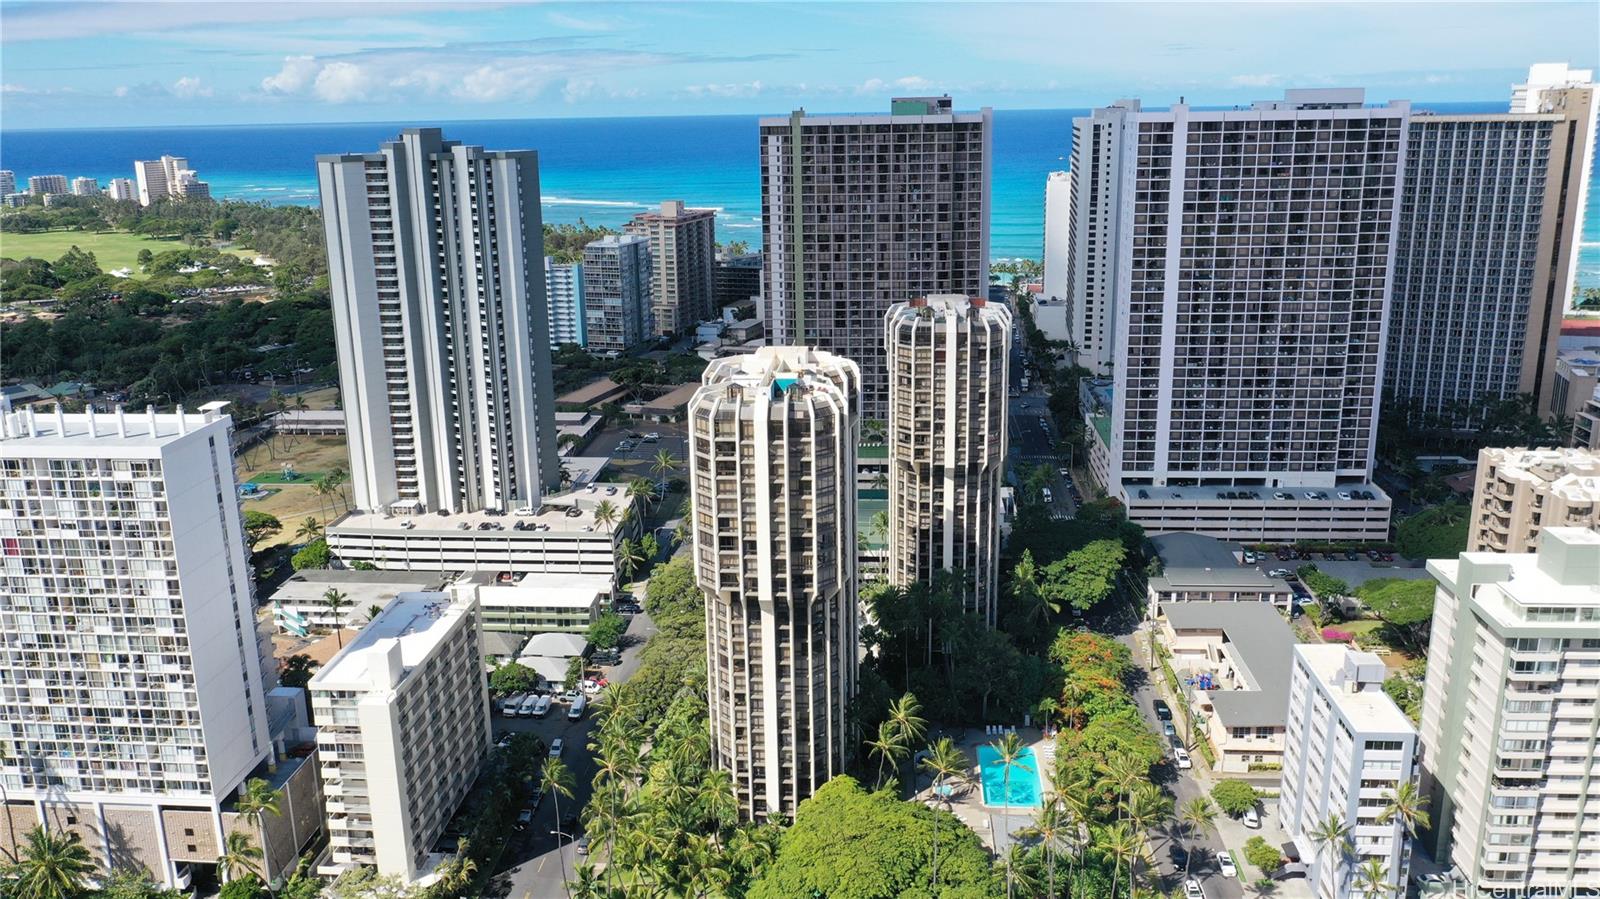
(599, 170)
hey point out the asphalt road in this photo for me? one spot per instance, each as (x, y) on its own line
(531, 867)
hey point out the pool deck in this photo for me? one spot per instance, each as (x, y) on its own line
(994, 825)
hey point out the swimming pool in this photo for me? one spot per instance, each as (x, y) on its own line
(1024, 786)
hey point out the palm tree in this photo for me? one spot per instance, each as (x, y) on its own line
(606, 515)
(310, 529)
(1052, 825)
(325, 492)
(257, 801)
(239, 856)
(52, 865)
(1123, 772)
(337, 602)
(630, 558)
(1406, 803)
(944, 762)
(558, 782)
(1009, 748)
(374, 611)
(1148, 808)
(664, 463)
(1197, 817)
(1372, 879)
(1122, 845)
(641, 489)
(1334, 834)
(888, 747)
(906, 714)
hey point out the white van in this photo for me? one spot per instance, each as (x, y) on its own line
(511, 704)
(1045, 492)
(542, 707)
(531, 704)
(578, 705)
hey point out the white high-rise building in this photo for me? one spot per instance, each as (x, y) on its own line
(1543, 76)
(563, 287)
(403, 728)
(131, 695)
(1057, 234)
(158, 178)
(1095, 236)
(122, 189)
(948, 358)
(1347, 750)
(1490, 232)
(48, 185)
(8, 182)
(1509, 727)
(772, 453)
(616, 292)
(440, 318)
(860, 212)
(189, 186)
(85, 187)
(1253, 249)
(1518, 492)
(683, 245)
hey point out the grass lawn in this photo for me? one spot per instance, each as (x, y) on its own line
(293, 501)
(112, 249)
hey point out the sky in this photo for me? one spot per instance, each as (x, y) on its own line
(76, 64)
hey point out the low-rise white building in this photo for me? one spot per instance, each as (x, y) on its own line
(1347, 750)
(403, 712)
(565, 535)
(537, 603)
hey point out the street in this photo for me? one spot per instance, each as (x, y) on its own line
(531, 868)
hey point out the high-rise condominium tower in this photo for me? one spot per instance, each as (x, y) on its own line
(1490, 227)
(122, 189)
(131, 697)
(948, 361)
(85, 187)
(772, 452)
(863, 211)
(166, 178)
(439, 312)
(1095, 236)
(683, 248)
(1508, 716)
(47, 185)
(1252, 249)
(616, 292)
(8, 182)
(563, 286)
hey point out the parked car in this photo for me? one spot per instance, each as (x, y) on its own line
(1225, 864)
(1169, 730)
(504, 742)
(524, 818)
(1280, 572)
(1351, 555)
(1192, 890)
(1252, 817)
(556, 748)
(1163, 711)
(1181, 756)
(582, 846)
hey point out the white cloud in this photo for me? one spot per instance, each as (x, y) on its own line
(486, 84)
(909, 83)
(297, 74)
(189, 87)
(734, 89)
(1256, 80)
(343, 82)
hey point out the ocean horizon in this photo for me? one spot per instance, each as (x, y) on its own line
(598, 170)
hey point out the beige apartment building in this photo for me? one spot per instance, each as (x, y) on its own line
(773, 438)
(683, 249)
(1520, 491)
(1509, 729)
(948, 359)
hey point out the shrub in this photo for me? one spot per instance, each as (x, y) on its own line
(313, 555)
(1264, 856)
(1334, 635)
(1234, 797)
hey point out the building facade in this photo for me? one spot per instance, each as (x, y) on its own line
(403, 715)
(1347, 750)
(1490, 229)
(85, 187)
(683, 246)
(167, 178)
(1519, 492)
(444, 349)
(1094, 271)
(122, 189)
(48, 185)
(738, 278)
(132, 704)
(773, 438)
(1253, 253)
(616, 293)
(8, 182)
(563, 287)
(1509, 728)
(949, 363)
(1057, 235)
(862, 212)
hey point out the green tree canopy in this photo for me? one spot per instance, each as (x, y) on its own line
(1235, 797)
(313, 555)
(1406, 606)
(1263, 854)
(846, 843)
(258, 526)
(513, 678)
(607, 630)
(1084, 576)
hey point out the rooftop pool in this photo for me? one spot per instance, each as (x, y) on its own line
(1023, 790)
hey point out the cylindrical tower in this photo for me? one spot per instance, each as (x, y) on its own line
(772, 461)
(948, 361)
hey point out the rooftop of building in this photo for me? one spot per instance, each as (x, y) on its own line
(781, 366)
(555, 645)
(675, 211)
(567, 590)
(1262, 644)
(360, 588)
(938, 108)
(415, 622)
(673, 400)
(1370, 711)
(567, 512)
(597, 391)
(1257, 494)
(1193, 551)
(1562, 577)
(29, 429)
(616, 240)
(1573, 473)
(939, 305)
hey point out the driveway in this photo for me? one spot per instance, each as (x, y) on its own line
(531, 867)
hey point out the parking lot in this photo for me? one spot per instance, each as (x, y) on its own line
(636, 455)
